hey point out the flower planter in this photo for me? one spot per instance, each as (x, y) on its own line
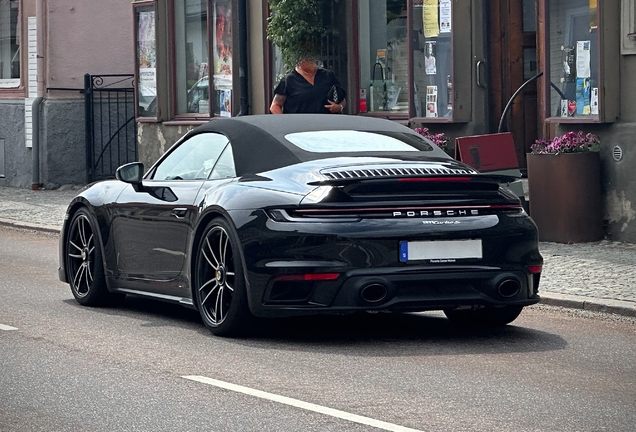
(565, 196)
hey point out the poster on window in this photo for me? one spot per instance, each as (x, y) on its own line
(146, 54)
(430, 18)
(430, 61)
(583, 96)
(445, 16)
(594, 101)
(431, 101)
(225, 103)
(583, 69)
(223, 38)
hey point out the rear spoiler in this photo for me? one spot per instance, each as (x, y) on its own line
(477, 178)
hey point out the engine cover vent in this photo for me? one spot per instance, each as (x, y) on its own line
(393, 171)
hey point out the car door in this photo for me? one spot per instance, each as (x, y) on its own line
(151, 227)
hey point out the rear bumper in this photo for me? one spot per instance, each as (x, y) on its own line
(398, 290)
(365, 257)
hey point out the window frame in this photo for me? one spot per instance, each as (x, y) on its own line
(199, 118)
(172, 22)
(628, 27)
(607, 60)
(463, 66)
(14, 86)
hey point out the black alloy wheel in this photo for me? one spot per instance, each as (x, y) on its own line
(485, 317)
(220, 288)
(84, 267)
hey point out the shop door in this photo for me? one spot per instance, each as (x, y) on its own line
(513, 60)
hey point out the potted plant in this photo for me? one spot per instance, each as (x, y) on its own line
(297, 28)
(564, 185)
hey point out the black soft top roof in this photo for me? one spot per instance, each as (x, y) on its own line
(259, 142)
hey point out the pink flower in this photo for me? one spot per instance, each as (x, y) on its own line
(439, 139)
(570, 142)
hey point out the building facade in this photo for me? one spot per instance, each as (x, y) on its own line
(536, 68)
(46, 48)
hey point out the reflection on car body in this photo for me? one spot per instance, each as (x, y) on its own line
(273, 216)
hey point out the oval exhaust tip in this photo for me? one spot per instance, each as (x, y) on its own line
(509, 288)
(374, 293)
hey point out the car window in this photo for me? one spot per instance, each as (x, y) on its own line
(193, 159)
(344, 141)
(224, 167)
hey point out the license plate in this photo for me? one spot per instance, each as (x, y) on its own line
(441, 250)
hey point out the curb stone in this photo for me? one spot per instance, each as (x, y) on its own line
(30, 225)
(593, 304)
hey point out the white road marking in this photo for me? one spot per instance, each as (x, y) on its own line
(303, 405)
(6, 327)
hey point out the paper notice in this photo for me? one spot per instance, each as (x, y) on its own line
(445, 16)
(564, 107)
(583, 96)
(430, 62)
(430, 18)
(431, 101)
(148, 81)
(594, 101)
(583, 59)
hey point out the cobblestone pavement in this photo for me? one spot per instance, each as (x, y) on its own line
(582, 273)
(45, 207)
(602, 269)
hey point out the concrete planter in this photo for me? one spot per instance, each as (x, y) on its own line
(565, 196)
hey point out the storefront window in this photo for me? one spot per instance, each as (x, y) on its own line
(195, 93)
(9, 44)
(191, 34)
(384, 55)
(222, 58)
(573, 59)
(432, 59)
(146, 61)
(425, 91)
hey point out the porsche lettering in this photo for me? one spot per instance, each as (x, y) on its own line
(429, 213)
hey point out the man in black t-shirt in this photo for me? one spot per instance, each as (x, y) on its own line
(305, 90)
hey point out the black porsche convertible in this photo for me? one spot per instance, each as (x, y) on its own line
(281, 215)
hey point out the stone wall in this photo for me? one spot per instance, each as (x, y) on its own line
(17, 157)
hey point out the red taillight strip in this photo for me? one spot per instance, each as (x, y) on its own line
(375, 209)
(534, 269)
(309, 277)
(506, 206)
(434, 179)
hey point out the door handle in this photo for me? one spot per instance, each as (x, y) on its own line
(481, 66)
(179, 213)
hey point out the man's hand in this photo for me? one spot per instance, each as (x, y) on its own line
(335, 108)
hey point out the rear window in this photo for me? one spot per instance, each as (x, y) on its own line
(346, 141)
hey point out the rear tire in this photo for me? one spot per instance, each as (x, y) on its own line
(219, 281)
(84, 264)
(484, 317)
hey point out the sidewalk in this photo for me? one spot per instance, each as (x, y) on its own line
(599, 276)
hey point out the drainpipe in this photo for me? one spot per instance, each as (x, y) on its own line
(243, 82)
(35, 140)
(35, 148)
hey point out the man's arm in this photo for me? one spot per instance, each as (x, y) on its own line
(277, 104)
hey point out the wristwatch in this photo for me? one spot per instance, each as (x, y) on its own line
(341, 108)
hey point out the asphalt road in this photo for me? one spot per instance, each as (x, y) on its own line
(147, 366)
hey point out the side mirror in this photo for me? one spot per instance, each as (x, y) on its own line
(130, 173)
